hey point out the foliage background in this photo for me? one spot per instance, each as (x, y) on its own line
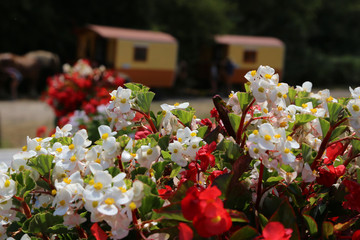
(321, 37)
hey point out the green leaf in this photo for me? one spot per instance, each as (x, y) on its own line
(171, 212)
(300, 101)
(113, 171)
(303, 94)
(43, 184)
(136, 87)
(41, 222)
(164, 142)
(355, 147)
(338, 131)
(263, 220)
(222, 183)
(185, 117)
(237, 216)
(43, 164)
(149, 182)
(59, 229)
(166, 155)
(327, 229)
(150, 202)
(311, 223)
(334, 111)
(144, 100)
(307, 153)
(301, 119)
(292, 94)
(201, 131)
(358, 175)
(175, 170)
(325, 126)
(247, 87)
(25, 183)
(244, 99)
(138, 171)
(235, 121)
(286, 215)
(159, 168)
(244, 233)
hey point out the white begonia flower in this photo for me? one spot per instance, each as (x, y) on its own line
(193, 147)
(94, 155)
(65, 131)
(354, 107)
(355, 93)
(5, 205)
(62, 201)
(306, 86)
(176, 149)
(119, 224)
(255, 151)
(98, 186)
(138, 190)
(107, 135)
(74, 178)
(307, 174)
(267, 136)
(185, 135)
(7, 187)
(38, 145)
(146, 155)
(108, 205)
(259, 90)
(127, 154)
(233, 102)
(80, 140)
(43, 200)
(287, 176)
(286, 155)
(168, 108)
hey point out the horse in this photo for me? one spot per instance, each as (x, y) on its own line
(34, 67)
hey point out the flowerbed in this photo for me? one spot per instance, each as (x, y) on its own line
(275, 162)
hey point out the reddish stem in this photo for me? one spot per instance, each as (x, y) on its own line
(81, 232)
(26, 209)
(148, 119)
(121, 166)
(259, 192)
(324, 143)
(240, 130)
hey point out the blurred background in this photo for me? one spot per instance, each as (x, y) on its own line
(320, 38)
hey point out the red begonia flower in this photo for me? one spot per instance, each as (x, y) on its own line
(205, 156)
(356, 235)
(98, 233)
(276, 231)
(214, 113)
(166, 192)
(328, 175)
(190, 204)
(335, 150)
(185, 232)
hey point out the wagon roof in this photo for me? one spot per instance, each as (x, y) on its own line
(248, 40)
(131, 34)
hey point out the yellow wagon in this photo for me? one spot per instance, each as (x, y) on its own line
(248, 53)
(147, 57)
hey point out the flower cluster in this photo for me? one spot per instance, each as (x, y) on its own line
(81, 87)
(274, 162)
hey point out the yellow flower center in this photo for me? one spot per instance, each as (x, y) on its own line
(91, 182)
(286, 150)
(284, 96)
(71, 146)
(62, 202)
(279, 108)
(7, 183)
(255, 132)
(98, 160)
(304, 105)
(98, 186)
(52, 135)
(24, 148)
(253, 72)
(194, 146)
(355, 108)
(38, 148)
(314, 110)
(149, 151)
(123, 100)
(231, 95)
(44, 205)
(53, 192)
(122, 189)
(289, 138)
(180, 139)
(39, 139)
(277, 136)
(175, 150)
(67, 180)
(193, 134)
(109, 201)
(267, 137)
(73, 158)
(176, 104)
(329, 99)
(261, 89)
(279, 94)
(59, 150)
(95, 204)
(265, 110)
(216, 219)
(133, 154)
(163, 112)
(113, 98)
(104, 136)
(256, 150)
(268, 76)
(283, 124)
(132, 206)
(21, 168)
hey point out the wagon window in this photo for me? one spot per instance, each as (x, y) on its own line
(250, 56)
(140, 53)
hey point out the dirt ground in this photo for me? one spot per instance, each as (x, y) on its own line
(21, 118)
